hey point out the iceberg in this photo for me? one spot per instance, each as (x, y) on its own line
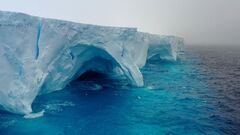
(41, 55)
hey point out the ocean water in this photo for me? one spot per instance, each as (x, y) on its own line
(197, 95)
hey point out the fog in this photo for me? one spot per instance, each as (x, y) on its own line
(200, 22)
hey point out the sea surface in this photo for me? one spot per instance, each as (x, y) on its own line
(199, 94)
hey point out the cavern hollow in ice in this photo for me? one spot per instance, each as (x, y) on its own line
(40, 55)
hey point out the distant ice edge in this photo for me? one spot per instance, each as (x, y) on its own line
(40, 55)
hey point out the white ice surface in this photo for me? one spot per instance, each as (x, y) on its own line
(40, 55)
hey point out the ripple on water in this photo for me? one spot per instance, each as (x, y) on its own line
(182, 97)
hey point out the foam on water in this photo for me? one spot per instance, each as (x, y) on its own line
(34, 115)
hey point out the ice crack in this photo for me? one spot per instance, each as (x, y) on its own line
(38, 37)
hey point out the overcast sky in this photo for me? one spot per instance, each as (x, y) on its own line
(198, 21)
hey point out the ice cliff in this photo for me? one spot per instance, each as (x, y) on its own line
(40, 55)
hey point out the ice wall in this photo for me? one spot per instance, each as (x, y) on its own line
(40, 55)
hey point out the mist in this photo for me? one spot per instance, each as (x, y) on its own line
(205, 22)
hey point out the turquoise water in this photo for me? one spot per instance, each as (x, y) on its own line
(176, 100)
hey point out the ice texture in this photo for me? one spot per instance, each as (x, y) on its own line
(40, 55)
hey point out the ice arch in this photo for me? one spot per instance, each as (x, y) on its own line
(81, 58)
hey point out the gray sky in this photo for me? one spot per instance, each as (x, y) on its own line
(198, 21)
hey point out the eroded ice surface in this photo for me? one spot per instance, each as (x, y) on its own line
(40, 55)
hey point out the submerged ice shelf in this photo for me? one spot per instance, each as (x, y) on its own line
(40, 55)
